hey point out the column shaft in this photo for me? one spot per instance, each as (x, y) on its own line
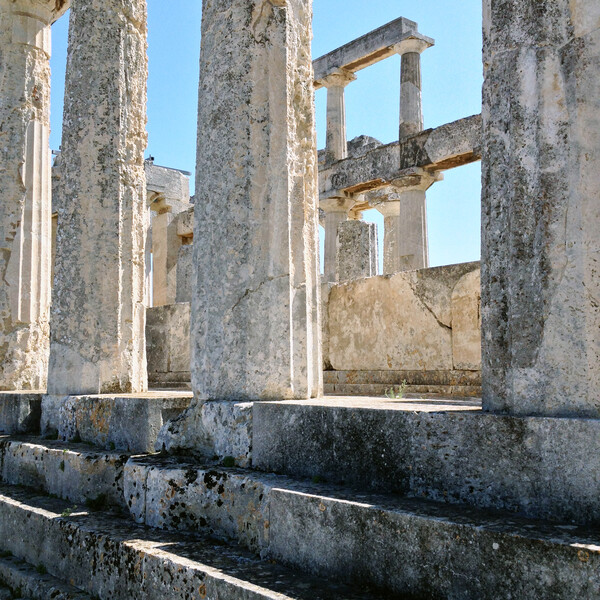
(411, 110)
(255, 326)
(98, 313)
(540, 209)
(25, 186)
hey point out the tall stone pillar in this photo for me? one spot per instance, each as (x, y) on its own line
(165, 253)
(540, 208)
(255, 327)
(411, 110)
(25, 191)
(98, 314)
(405, 240)
(336, 212)
(336, 143)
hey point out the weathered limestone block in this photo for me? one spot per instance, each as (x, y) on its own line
(466, 322)
(25, 218)
(541, 216)
(98, 312)
(356, 250)
(20, 412)
(401, 322)
(168, 344)
(255, 312)
(185, 274)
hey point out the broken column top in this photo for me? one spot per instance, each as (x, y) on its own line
(368, 49)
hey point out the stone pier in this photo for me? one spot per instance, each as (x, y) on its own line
(540, 214)
(98, 314)
(255, 326)
(336, 212)
(357, 250)
(25, 189)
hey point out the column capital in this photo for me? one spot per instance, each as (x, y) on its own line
(339, 78)
(390, 208)
(416, 43)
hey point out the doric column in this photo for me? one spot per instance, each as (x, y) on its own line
(357, 250)
(98, 313)
(405, 240)
(411, 110)
(540, 259)
(336, 142)
(336, 212)
(255, 327)
(25, 191)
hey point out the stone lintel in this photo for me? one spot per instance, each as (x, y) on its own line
(446, 147)
(364, 51)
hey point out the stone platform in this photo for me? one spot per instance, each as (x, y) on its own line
(124, 421)
(443, 449)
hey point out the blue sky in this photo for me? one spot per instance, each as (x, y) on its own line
(451, 90)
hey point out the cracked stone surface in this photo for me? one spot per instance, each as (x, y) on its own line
(98, 313)
(25, 219)
(540, 213)
(414, 320)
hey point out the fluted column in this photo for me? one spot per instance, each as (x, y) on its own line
(98, 313)
(25, 191)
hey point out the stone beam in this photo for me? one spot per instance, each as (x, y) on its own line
(366, 50)
(97, 340)
(398, 164)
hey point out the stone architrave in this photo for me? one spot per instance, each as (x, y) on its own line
(356, 250)
(98, 314)
(540, 208)
(25, 191)
(255, 311)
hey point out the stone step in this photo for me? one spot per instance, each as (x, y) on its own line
(20, 412)
(76, 472)
(129, 422)
(113, 559)
(33, 583)
(382, 383)
(445, 450)
(431, 550)
(400, 544)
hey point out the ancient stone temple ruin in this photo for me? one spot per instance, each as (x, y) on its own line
(189, 409)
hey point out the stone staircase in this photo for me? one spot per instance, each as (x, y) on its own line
(347, 498)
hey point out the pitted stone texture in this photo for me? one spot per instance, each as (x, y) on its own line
(223, 429)
(541, 181)
(255, 330)
(404, 321)
(71, 472)
(98, 312)
(111, 558)
(369, 538)
(356, 250)
(227, 503)
(128, 422)
(29, 584)
(20, 412)
(446, 450)
(25, 217)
